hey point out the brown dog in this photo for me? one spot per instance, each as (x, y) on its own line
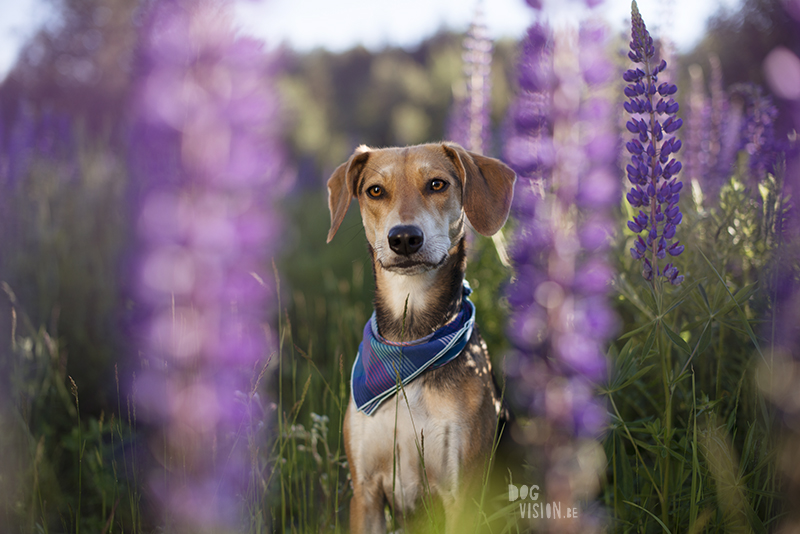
(439, 433)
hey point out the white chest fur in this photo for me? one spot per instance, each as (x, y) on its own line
(406, 293)
(412, 443)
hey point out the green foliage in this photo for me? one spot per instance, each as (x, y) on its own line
(692, 443)
(64, 233)
(393, 97)
(60, 471)
(488, 277)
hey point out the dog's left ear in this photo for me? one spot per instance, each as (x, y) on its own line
(342, 185)
(488, 186)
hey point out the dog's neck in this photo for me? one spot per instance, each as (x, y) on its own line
(411, 307)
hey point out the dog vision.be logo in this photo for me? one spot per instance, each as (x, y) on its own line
(531, 508)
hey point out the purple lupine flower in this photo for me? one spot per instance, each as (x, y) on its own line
(757, 132)
(560, 319)
(729, 140)
(777, 382)
(781, 66)
(470, 123)
(709, 152)
(716, 167)
(696, 123)
(564, 150)
(208, 168)
(21, 145)
(653, 169)
(528, 147)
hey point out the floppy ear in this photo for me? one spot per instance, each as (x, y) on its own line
(342, 187)
(488, 186)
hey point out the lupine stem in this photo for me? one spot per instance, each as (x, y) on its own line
(664, 349)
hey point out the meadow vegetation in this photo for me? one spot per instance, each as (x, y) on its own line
(697, 400)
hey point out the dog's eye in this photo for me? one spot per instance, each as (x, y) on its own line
(375, 191)
(437, 185)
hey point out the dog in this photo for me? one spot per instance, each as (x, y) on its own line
(435, 432)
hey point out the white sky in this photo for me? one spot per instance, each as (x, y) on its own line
(19, 21)
(341, 24)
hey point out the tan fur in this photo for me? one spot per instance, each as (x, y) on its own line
(450, 412)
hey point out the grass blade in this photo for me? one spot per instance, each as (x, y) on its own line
(651, 514)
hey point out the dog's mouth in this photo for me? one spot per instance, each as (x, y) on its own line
(410, 266)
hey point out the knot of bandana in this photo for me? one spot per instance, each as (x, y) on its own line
(379, 362)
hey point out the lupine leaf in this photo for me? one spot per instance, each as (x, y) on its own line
(694, 324)
(649, 343)
(741, 297)
(636, 331)
(625, 366)
(705, 340)
(629, 380)
(676, 339)
(632, 295)
(742, 315)
(686, 289)
(627, 471)
(703, 294)
(650, 302)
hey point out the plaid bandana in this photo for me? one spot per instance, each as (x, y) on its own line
(374, 376)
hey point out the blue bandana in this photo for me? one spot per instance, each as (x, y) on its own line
(374, 376)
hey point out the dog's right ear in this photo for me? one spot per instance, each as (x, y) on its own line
(342, 187)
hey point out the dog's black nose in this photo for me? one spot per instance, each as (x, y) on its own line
(405, 239)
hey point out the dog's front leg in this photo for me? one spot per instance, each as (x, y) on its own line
(367, 508)
(460, 511)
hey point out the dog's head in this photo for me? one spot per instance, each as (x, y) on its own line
(413, 200)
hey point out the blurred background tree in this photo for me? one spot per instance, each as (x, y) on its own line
(741, 38)
(80, 63)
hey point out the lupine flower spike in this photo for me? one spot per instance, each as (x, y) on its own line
(469, 124)
(652, 170)
(209, 170)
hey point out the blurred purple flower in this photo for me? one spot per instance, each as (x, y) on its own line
(757, 135)
(708, 154)
(470, 124)
(652, 170)
(563, 147)
(528, 148)
(47, 135)
(716, 152)
(739, 122)
(21, 145)
(696, 126)
(782, 67)
(778, 373)
(208, 169)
